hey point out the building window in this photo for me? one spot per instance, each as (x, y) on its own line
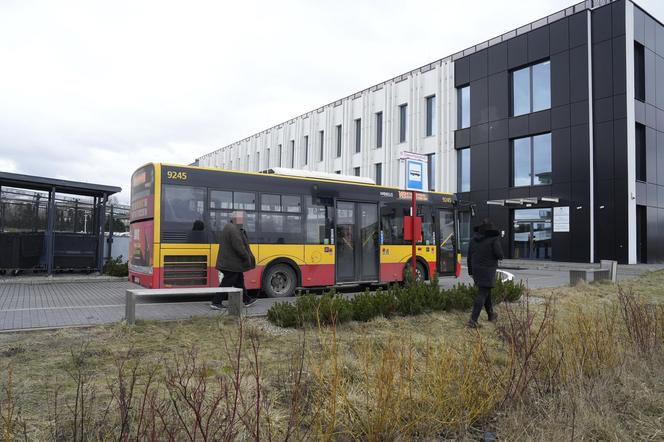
(322, 144)
(258, 161)
(306, 150)
(379, 129)
(279, 152)
(531, 160)
(463, 108)
(403, 121)
(292, 150)
(641, 173)
(639, 72)
(338, 172)
(531, 89)
(356, 170)
(379, 173)
(248, 163)
(358, 135)
(431, 171)
(338, 140)
(267, 158)
(463, 170)
(431, 115)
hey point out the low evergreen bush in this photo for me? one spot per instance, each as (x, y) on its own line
(116, 267)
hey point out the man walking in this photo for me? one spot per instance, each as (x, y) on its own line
(234, 259)
(484, 252)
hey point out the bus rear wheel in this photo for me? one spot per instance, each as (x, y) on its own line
(420, 272)
(279, 281)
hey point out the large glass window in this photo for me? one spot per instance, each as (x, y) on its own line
(224, 202)
(318, 222)
(279, 151)
(531, 89)
(322, 144)
(639, 72)
(463, 99)
(431, 115)
(431, 171)
(292, 151)
(306, 149)
(403, 122)
(463, 170)
(392, 224)
(358, 135)
(379, 173)
(641, 169)
(531, 160)
(379, 129)
(531, 233)
(339, 140)
(183, 204)
(356, 171)
(280, 221)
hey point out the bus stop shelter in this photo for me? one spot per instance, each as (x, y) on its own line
(47, 231)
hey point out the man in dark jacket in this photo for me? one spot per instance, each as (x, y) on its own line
(234, 259)
(484, 252)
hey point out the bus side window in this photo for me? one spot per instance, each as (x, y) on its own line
(392, 224)
(318, 222)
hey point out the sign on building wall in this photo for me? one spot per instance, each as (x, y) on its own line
(561, 219)
(414, 175)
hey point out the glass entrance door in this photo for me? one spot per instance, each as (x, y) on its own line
(531, 233)
(446, 242)
(357, 241)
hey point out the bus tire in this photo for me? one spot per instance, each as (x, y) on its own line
(420, 271)
(279, 281)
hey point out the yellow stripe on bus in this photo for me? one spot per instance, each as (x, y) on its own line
(402, 253)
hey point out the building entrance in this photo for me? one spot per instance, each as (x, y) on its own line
(531, 233)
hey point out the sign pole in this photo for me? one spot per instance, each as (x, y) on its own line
(413, 260)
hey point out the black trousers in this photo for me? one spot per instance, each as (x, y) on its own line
(231, 279)
(483, 299)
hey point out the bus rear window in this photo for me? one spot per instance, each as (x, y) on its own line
(142, 194)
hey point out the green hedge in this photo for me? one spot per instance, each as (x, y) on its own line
(413, 298)
(116, 267)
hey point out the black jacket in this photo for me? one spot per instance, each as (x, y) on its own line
(234, 252)
(484, 252)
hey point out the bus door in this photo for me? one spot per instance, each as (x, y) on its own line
(356, 241)
(446, 238)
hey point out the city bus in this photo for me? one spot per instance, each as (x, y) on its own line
(305, 229)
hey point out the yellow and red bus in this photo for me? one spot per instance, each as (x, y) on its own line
(304, 231)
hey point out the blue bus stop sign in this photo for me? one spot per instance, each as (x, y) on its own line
(414, 171)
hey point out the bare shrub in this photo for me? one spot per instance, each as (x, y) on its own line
(644, 322)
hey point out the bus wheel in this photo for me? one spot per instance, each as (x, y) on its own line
(279, 281)
(420, 272)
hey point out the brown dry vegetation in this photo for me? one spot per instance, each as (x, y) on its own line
(582, 363)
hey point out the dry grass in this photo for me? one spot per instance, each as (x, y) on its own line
(587, 363)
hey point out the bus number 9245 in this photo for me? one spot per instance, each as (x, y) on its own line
(173, 175)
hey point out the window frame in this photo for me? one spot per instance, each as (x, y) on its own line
(321, 136)
(531, 97)
(379, 129)
(460, 107)
(306, 150)
(531, 142)
(358, 135)
(339, 134)
(430, 123)
(403, 122)
(460, 175)
(378, 174)
(431, 172)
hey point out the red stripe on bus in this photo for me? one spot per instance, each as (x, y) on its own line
(317, 275)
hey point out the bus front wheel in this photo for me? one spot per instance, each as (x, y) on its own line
(420, 271)
(279, 281)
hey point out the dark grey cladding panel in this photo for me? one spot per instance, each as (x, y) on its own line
(502, 193)
(651, 155)
(640, 111)
(620, 148)
(660, 120)
(660, 158)
(604, 149)
(621, 221)
(580, 151)
(651, 116)
(540, 191)
(479, 133)
(560, 117)
(578, 73)
(461, 72)
(539, 122)
(650, 32)
(559, 36)
(561, 155)
(499, 165)
(618, 17)
(520, 192)
(498, 96)
(652, 195)
(479, 101)
(651, 85)
(580, 222)
(604, 210)
(660, 196)
(538, 44)
(560, 79)
(619, 69)
(602, 24)
(562, 190)
(461, 138)
(659, 30)
(478, 65)
(479, 167)
(518, 126)
(603, 69)
(639, 26)
(659, 72)
(497, 58)
(579, 112)
(603, 110)
(517, 51)
(620, 106)
(578, 30)
(641, 193)
(498, 130)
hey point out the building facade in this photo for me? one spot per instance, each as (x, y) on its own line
(555, 131)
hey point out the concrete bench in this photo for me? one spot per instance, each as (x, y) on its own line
(144, 296)
(588, 275)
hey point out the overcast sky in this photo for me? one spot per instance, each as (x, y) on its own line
(90, 90)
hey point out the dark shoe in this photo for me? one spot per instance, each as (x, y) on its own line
(250, 303)
(472, 324)
(493, 317)
(216, 306)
